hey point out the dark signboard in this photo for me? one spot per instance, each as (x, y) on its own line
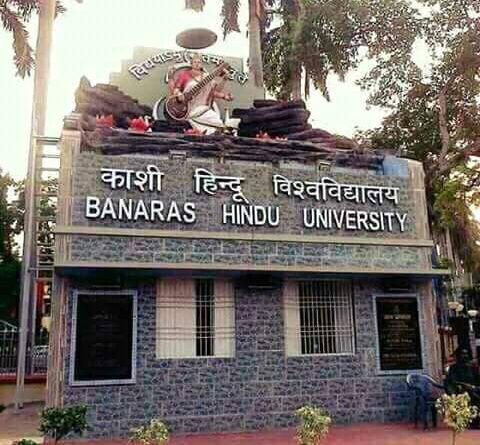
(398, 333)
(104, 337)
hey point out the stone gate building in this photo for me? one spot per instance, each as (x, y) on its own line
(220, 283)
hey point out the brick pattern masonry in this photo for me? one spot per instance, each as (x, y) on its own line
(259, 388)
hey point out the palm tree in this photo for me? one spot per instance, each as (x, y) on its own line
(230, 10)
(14, 15)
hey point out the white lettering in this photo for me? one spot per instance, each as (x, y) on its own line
(189, 216)
(228, 214)
(156, 209)
(362, 218)
(374, 218)
(141, 211)
(308, 218)
(351, 220)
(174, 213)
(338, 218)
(92, 207)
(108, 209)
(401, 220)
(324, 219)
(273, 216)
(125, 209)
(254, 216)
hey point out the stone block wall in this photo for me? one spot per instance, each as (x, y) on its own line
(212, 252)
(178, 185)
(259, 388)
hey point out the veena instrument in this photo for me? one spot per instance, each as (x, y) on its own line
(180, 110)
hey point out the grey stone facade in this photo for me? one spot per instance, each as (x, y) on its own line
(259, 388)
(178, 183)
(234, 252)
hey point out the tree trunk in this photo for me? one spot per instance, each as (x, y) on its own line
(297, 12)
(255, 42)
(297, 82)
(445, 135)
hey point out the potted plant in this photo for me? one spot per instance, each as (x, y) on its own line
(155, 433)
(57, 423)
(457, 412)
(314, 425)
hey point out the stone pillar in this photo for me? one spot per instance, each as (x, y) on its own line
(429, 330)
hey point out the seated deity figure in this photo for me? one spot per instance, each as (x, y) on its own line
(203, 112)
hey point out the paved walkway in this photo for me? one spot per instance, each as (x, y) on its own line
(14, 426)
(368, 434)
(22, 425)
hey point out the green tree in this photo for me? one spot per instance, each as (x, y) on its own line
(256, 26)
(12, 211)
(9, 290)
(435, 119)
(307, 40)
(10, 216)
(10, 226)
(15, 16)
(58, 423)
(458, 412)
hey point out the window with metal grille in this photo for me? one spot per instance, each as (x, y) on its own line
(205, 317)
(195, 318)
(319, 317)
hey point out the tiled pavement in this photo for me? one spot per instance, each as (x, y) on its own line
(367, 434)
(15, 426)
(21, 425)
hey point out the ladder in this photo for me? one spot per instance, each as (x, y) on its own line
(45, 185)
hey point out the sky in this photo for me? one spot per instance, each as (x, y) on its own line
(93, 38)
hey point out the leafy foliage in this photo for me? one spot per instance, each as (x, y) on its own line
(14, 16)
(25, 442)
(435, 119)
(457, 412)
(59, 422)
(256, 26)
(11, 216)
(12, 211)
(156, 433)
(314, 425)
(321, 37)
(230, 10)
(9, 289)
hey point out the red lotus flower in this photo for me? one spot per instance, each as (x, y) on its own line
(139, 125)
(263, 135)
(106, 121)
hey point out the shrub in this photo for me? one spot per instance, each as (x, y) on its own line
(59, 422)
(457, 412)
(156, 433)
(314, 425)
(25, 442)
(2, 407)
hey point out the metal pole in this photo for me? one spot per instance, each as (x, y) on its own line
(39, 105)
